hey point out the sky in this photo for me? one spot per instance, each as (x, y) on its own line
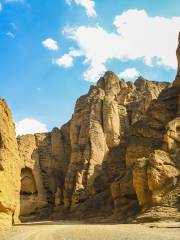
(52, 51)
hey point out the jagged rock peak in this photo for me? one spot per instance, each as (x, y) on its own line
(4, 104)
(109, 81)
(177, 80)
(143, 84)
(140, 82)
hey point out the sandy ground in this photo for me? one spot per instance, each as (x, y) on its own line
(78, 231)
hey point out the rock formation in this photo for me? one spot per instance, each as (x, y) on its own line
(97, 133)
(10, 166)
(118, 156)
(45, 158)
(70, 169)
(153, 153)
(177, 80)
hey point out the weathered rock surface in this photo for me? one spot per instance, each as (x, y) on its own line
(97, 130)
(78, 167)
(45, 158)
(33, 193)
(154, 177)
(137, 141)
(9, 168)
(153, 153)
(72, 168)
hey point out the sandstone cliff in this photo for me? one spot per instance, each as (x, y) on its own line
(9, 168)
(152, 154)
(97, 133)
(45, 158)
(125, 149)
(71, 171)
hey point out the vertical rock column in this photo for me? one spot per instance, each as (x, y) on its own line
(177, 80)
(111, 118)
(88, 148)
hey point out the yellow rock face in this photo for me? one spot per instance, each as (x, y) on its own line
(9, 168)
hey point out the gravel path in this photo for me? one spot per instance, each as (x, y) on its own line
(78, 231)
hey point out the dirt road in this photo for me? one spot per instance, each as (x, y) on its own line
(78, 231)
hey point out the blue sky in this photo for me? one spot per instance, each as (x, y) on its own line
(52, 51)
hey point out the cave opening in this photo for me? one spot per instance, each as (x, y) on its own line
(28, 193)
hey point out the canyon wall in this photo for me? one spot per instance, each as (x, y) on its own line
(118, 156)
(97, 132)
(73, 171)
(152, 155)
(45, 158)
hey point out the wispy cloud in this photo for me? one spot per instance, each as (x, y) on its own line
(13, 25)
(89, 6)
(10, 34)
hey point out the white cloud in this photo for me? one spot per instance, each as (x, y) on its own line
(10, 34)
(94, 72)
(137, 36)
(50, 44)
(89, 6)
(149, 37)
(0, 7)
(67, 60)
(129, 73)
(30, 126)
